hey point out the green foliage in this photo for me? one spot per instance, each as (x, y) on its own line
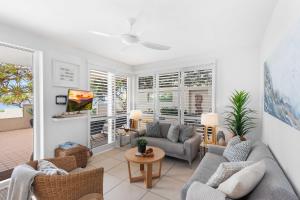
(15, 84)
(141, 142)
(239, 118)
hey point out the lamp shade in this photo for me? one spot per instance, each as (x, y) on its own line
(135, 114)
(209, 119)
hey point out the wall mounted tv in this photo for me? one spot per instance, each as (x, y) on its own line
(79, 100)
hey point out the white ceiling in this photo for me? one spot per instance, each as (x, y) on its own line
(191, 27)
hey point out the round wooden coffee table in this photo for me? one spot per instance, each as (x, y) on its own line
(147, 175)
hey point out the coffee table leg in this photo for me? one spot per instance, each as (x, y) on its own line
(148, 176)
(159, 170)
(129, 172)
(141, 167)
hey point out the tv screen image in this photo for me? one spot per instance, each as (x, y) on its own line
(79, 100)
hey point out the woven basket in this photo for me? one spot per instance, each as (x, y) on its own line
(80, 152)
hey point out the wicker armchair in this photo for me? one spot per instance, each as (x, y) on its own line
(68, 187)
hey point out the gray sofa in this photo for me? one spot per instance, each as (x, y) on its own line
(273, 186)
(187, 151)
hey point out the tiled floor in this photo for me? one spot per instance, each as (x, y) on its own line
(15, 147)
(116, 183)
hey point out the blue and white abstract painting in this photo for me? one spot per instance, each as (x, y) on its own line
(282, 80)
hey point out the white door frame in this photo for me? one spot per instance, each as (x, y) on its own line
(38, 105)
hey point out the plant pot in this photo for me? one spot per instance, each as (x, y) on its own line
(242, 138)
(31, 123)
(142, 148)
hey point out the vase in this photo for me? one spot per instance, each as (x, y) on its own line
(142, 148)
(221, 138)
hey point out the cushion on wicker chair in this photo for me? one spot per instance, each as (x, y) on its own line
(92, 196)
(49, 168)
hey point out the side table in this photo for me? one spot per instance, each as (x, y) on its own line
(123, 138)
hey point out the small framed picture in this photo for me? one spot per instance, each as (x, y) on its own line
(65, 74)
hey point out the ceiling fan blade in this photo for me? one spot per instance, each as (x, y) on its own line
(103, 34)
(155, 46)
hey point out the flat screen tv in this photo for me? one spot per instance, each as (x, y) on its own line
(79, 100)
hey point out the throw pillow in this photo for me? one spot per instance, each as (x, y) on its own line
(226, 170)
(244, 181)
(186, 132)
(152, 129)
(237, 150)
(173, 133)
(49, 168)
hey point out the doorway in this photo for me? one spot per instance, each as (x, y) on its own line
(16, 108)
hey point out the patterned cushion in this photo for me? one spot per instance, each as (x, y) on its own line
(185, 133)
(153, 129)
(173, 133)
(225, 170)
(237, 150)
(49, 168)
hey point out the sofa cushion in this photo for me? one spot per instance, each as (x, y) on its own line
(244, 181)
(225, 171)
(186, 132)
(164, 128)
(49, 168)
(166, 145)
(92, 196)
(199, 190)
(153, 129)
(237, 150)
(208, 165)
(259, 151)
(274, 185)
(173, 133)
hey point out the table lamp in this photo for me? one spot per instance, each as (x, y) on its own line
(210, 122)
(135, 116)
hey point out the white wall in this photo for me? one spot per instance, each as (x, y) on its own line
(237, 68)
(282, 139)
(72, 130)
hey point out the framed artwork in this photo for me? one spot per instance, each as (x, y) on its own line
(282, 81)
(65, 74)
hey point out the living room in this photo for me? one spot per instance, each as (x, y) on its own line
(147, 64)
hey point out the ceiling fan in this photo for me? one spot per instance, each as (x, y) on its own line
(131, 38)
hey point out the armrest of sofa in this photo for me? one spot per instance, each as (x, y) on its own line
(201, 191)
(191, 147)
(135, 135)
(216, 149)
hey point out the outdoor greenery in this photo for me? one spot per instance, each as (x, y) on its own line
(15, 84)
(238, 117)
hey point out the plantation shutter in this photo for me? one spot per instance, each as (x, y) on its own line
(121, 100)
(145, 98)
(100, 87)
(168, 96)
(197, 94)
(109, 106)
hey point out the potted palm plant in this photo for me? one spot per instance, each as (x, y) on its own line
(141, 143)
(239, 117)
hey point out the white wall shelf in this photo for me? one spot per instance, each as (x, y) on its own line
(67, 118)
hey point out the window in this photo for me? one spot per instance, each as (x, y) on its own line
(179, 96)
(109, 106)
(168, 98)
